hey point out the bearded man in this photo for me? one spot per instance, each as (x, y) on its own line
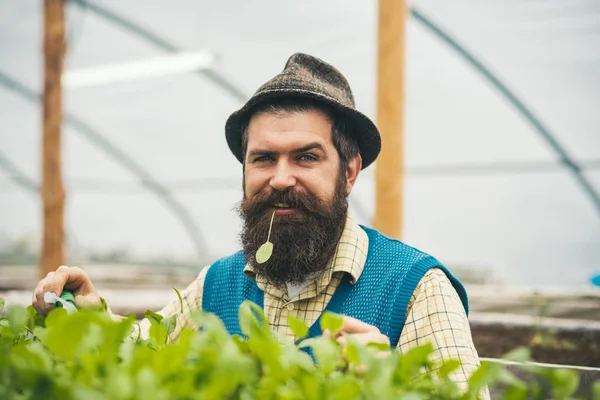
(302, 144)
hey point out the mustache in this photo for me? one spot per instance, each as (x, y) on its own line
(290, 197)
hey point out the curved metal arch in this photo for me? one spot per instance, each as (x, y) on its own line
(17, 176)
(519, 105)
(160, 43)
(122, 158)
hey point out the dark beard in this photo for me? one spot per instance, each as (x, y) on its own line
(303, 242)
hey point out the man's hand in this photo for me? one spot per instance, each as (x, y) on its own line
(71, 278)
(361, 331)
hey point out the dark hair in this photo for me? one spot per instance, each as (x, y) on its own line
(345, 145)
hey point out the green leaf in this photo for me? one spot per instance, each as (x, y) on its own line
(65, 332)
(264, 252)
(418, 356)
(564, 382)
(448, 367)
(252, 319)
(347, 390)
(120, 386)
(520, 354)
(378, 346)
(352, 353)
(241, 343)
(1, 304)
(158, 335)
(508, 378)
(17, 318)
(332, 322)
(180, 301)
(146, 384)
(258, 312)
(517, 392)
(596, 391)
(246, 317)
(34, 318)
(298, 326)
(169, 323)
(484, 375)
(327, 352)
(153, 317)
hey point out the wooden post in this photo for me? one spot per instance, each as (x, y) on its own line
(53, 194)
(389, 171)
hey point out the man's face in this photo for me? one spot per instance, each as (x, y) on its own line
(292, 174)
(291, 151)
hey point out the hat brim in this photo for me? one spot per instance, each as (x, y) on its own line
(362, 129)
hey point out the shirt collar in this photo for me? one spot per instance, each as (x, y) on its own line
(350, 256)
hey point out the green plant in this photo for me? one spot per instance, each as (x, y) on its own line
(86, 355)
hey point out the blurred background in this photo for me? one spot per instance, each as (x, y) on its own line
(484, 190)
(501, 140)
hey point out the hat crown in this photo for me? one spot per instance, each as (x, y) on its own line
(305, 76)
(306, 73)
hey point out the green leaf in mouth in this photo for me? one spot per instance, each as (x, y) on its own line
(264, 252)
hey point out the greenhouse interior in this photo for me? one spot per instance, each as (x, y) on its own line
(500, 146)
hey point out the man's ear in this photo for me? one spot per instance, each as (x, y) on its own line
(352, 171)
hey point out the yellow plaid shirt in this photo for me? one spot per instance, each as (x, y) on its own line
(435, 312)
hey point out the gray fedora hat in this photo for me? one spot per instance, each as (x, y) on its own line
(310, 77)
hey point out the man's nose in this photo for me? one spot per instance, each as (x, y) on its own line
(283, 177)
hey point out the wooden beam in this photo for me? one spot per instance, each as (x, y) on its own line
(389, 170)
(53, 194)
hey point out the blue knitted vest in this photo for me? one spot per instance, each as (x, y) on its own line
(380, 296)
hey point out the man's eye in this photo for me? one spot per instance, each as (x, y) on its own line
(263, 158)
(307, 157)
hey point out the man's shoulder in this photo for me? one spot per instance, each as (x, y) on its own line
(234, 258)
(223, 266)
(225, 270)
(435, 277)
(380, 243)
(416, 263)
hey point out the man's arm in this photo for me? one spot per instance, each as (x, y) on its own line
(436, 315)
(192, 301)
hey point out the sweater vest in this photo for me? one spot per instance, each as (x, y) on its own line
(380, 297)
